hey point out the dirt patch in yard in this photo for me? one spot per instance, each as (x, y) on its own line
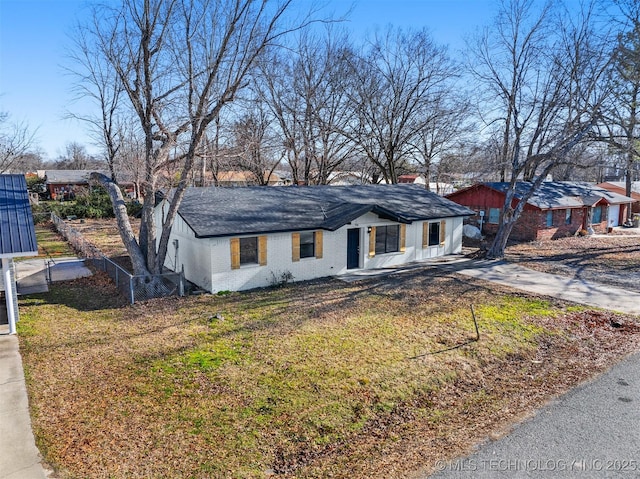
(103, 233)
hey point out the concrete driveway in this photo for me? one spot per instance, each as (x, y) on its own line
(569, 289)
(32, 274)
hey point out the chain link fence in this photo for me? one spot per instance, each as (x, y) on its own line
(134, 287)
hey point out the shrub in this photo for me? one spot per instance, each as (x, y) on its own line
(134, 208)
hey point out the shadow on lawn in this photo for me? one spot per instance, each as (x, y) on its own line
(275, 310)
(92, 293)
(312, 300)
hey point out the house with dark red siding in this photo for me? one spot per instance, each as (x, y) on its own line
(557, 209)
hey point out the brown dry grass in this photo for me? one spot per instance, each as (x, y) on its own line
(103, 233)
(310, 380)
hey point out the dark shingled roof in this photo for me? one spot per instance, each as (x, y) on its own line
(212, 212)
(72, 177)
(17, 233)
(563, 194)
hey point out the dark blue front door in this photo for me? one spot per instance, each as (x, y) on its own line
(353, 248)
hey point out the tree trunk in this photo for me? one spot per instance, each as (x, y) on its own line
(124, 225)
(496, 251)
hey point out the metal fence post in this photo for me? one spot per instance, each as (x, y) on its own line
(131, 295)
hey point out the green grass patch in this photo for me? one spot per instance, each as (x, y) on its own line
(50, 243)
(239, 384)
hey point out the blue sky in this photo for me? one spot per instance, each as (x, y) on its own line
(34, 37)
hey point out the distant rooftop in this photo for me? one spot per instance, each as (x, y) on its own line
(563, 194)
(74, 177)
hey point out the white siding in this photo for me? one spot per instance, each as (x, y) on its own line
(207, 262)
(279, 262)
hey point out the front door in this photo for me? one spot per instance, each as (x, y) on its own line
(353, 248)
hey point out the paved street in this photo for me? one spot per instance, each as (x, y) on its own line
(591, 432)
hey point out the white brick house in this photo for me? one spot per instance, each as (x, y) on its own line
(243, 238)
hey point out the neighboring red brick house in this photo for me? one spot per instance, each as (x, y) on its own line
(621, 188)
(64, 184)
(556, 210)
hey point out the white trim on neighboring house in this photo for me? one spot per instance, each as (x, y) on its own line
(17, 237)
(10, 294)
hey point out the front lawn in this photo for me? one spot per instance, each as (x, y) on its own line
(320, 379)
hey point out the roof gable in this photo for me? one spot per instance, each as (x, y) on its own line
(212, 212)
(17, 232)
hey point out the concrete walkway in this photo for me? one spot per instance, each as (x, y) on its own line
(31, 274)
(19, 457)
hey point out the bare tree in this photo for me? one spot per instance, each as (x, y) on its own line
(99, 82)
(254, 145)
(547, 78)
(275, 87)
(621, 130)
(128, 165)
(76, 157)
(180, 62)
(584, 163)
(323, 70)
(444, 126)
(16, 141)
(395, 83)
(304, 88)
